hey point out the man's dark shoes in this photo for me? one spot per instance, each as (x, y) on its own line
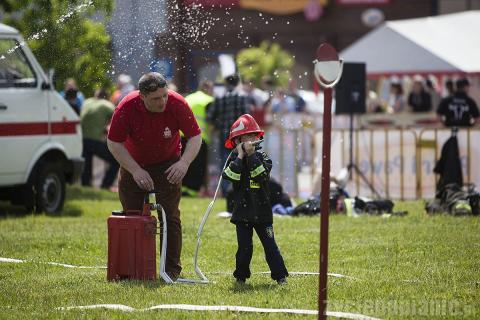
(282, 281)
(240, 281)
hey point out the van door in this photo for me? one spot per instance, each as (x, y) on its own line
(24, 114)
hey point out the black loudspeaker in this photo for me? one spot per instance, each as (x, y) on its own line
(350, 90)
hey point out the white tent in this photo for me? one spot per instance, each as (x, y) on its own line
(440, 45)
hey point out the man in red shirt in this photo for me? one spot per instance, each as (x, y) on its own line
(144, 138)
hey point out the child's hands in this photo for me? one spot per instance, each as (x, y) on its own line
(240, 150)
(249, 148)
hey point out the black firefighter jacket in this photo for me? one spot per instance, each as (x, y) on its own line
(250, 177)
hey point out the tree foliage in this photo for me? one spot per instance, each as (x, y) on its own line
(65, 35)
(268, 60)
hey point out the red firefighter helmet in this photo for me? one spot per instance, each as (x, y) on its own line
(243, 125)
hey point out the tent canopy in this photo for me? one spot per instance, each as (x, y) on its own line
(434, 45)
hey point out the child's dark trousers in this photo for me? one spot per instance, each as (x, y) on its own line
(245, 250)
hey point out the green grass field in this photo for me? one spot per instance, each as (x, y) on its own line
(416, 266)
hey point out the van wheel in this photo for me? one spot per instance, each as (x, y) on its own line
(50, 188)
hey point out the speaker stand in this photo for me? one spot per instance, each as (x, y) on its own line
(352, 166)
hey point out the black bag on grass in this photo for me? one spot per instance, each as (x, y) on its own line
(379, 206)
(309, 208)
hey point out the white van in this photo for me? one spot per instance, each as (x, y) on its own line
(40, 134)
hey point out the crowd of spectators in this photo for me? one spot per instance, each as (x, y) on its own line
(415, 94)
(452, 103)
(268, 104)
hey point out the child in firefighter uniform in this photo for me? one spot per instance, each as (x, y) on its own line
(249, 172)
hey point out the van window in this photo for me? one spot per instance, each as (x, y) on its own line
(15, 70)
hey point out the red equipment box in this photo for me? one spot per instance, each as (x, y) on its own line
(131, 246)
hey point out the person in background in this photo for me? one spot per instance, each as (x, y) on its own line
(144, 137)
(221, 115)
(449, 88)
(300, 104)
(257, 102)
(199, 101)
(459, 110)
(95, 118)
(249, 172)
(124, 87)
(373, 102)
(419, 99)
(71, 97)
(430, 87)
(75, 96)
(283, 103)
(396, 102)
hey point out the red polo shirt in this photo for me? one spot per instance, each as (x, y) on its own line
(152, 137)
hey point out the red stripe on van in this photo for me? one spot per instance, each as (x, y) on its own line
(37, 128)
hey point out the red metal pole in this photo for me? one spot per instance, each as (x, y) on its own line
(324, 200)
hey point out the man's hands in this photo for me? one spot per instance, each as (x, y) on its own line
(175, 174)
(177, 171)
(143, 179)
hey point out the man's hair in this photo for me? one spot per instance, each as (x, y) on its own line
(151, 82)
(449, 83)
(232, 80)
(462, 83)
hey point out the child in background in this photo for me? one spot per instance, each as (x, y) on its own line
(249, 171)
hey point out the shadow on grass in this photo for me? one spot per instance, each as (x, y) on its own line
(247, 287)
(127, 283)
(74, 192)
(236, 288)
(8, 211)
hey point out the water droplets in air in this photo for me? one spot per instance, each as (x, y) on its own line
(38, 35)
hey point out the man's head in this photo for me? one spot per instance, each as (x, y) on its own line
(70, 83)
(123, 80)
(449, 86)
(417, 84)
(462, 85)
(232, 81)
(206, 86)
(153, 91)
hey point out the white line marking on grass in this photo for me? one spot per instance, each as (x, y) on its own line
(10, 260)
(189, 307)
(72, 266)
(296, 273)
